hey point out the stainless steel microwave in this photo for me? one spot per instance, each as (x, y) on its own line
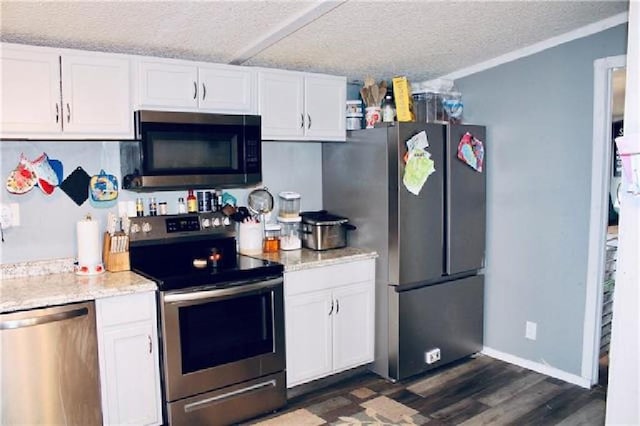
(183, 150)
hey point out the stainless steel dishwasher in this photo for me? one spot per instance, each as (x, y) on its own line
(49, 361)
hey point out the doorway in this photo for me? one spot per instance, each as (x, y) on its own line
(618, 83)
(607, 78)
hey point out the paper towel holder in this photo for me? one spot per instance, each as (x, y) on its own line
(88, 269)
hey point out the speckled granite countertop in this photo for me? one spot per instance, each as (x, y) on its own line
(58, 286)
(48, 283)
(296, 260)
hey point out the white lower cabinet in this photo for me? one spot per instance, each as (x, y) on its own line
(329, 319)
(128, 355)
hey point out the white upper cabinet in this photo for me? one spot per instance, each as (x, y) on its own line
(30, 92)
(168, 85)
(62, 94)
(96, 95)
(325, 100)
(227, 88)
(189, 86)
(301, 106)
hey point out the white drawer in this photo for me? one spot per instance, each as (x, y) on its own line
(325, 277)
(127, 308)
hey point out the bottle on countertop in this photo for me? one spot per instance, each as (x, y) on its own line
(139, 207)
(153, 207)
(182, 207)
(192, 202)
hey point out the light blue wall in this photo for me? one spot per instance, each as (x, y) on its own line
(538, 112)
(48, 223)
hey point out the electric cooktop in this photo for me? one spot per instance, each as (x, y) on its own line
(181, 253)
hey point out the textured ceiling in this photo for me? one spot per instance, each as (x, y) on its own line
(419, 39)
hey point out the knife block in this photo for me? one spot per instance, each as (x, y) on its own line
(114, 262)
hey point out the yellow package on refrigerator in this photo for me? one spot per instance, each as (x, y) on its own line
(403, 99)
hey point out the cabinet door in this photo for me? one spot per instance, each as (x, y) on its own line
(96, 95)
(308, 334)
(129, 363)
(30, 93)
(353, 325)
(164, 85)
(129, 359)
(325, 99)
(281, 104)
(227, 89)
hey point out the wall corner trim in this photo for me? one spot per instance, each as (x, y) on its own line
(537, 367)
(578, 33)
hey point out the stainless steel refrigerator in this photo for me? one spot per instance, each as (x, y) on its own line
(431, 246)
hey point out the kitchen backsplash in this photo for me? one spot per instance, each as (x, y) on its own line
(48, 222)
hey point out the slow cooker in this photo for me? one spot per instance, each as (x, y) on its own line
(321, 230)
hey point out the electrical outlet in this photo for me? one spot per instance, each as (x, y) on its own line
(531, 330)
(9, 215)
(432, 356)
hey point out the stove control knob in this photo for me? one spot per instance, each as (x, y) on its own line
(216, 222)
(135, 228)
(146, 227)
(206, 222)
(226, 221)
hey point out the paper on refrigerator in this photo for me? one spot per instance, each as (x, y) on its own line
(419, 165)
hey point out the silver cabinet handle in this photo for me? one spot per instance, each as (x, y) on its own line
(337, 306)
(301, 120)
(309, 119)
(195, 90)
(204, 91)
(57, 113)
(331, 311)
(28, 322)
(68, 113)
(150, 344)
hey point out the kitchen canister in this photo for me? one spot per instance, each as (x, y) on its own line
(89, 247)
(353, 115)
(250, 238)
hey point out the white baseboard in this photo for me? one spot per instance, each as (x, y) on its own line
(538, 367)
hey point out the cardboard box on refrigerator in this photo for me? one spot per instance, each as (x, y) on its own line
(402, 94)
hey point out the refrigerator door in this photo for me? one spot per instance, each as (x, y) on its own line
(466, 206)
(416, 248)
(447, 317)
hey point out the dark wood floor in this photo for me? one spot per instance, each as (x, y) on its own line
(477, 391)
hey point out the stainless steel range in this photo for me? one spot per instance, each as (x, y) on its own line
(221, 319)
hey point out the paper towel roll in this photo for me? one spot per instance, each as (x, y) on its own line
(88, 242)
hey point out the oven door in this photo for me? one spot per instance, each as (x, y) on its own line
(219, 337)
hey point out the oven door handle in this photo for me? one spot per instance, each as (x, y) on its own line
(221, 292)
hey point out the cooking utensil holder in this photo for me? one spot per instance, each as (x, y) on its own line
(116, 261)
